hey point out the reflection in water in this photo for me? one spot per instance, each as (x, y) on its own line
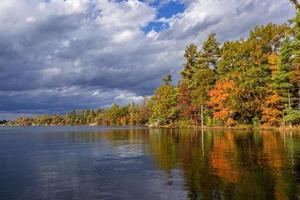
(232, 165)
(168, 163)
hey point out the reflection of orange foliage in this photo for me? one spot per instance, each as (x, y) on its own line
(221, 163)
(273, 150)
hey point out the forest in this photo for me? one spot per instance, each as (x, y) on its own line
(253, 81)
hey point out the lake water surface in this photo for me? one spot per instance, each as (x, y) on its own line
(86, 163)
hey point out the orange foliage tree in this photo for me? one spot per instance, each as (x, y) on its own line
(219, 97)
(272, 110)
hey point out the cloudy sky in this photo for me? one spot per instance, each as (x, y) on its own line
(57, 55)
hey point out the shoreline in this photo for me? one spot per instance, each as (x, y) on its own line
(248, 128)
(235, 128)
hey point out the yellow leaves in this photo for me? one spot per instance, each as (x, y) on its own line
(231, 122)
(273, 99)
(272, 110)
(273, 63)
(271, 116)
(273, 59)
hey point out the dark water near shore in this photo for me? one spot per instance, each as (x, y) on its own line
(134, 163)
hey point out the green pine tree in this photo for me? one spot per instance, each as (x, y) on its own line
(190, 55)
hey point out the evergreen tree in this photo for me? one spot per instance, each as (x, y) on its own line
(295, 54)
(209, 56)
(190, 55)
(281, 79)
(296, 4)
(167, 80)
(291, 60)
(203, 77)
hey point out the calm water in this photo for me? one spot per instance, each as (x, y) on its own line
(101, 163)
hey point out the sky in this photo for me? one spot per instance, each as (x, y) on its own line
(60, 55)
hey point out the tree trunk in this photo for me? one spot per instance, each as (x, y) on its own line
(202, 118)
(289, 99)
(283, 121)
(290, 106)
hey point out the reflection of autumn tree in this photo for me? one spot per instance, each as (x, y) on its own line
(221, 163)
(185, 149)
(256, 180)
(162, 145)
(276, 152)
(233, 165)
(229, 159)
(248, 163)
(199, 180)
(273, 150)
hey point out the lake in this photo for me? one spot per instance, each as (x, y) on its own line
(86, 163)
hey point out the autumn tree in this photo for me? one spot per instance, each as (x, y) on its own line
(219, 101)
(272, 111)
(184, 106)
(163, 104)
(272, 108)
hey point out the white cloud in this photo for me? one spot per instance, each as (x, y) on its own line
(124, 36)
(30, 19)
(125, 14)
(127, 97)
(230, 19)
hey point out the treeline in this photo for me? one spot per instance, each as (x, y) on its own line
(116, 115)
(252, 81)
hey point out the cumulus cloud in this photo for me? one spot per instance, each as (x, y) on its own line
(57, 55)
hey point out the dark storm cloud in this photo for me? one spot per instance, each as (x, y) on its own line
(56, 56)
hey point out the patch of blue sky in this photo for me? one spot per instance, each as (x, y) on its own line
(156, 26)
(166, 10)
(170, 9)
